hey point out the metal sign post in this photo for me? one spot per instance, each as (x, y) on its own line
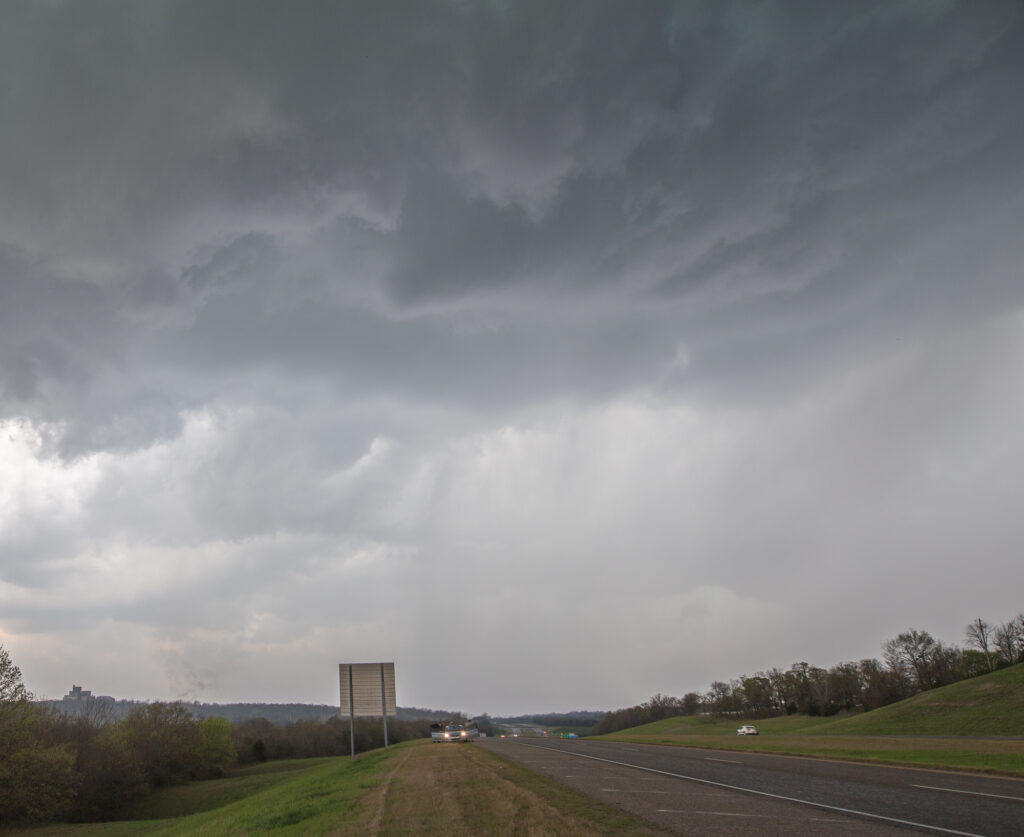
(384, 705)
(351, 715)
(367, 691)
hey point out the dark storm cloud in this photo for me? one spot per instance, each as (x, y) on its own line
(498, 154)
(330, 299)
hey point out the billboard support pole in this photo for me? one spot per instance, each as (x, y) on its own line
(351, 715)
(384, 705)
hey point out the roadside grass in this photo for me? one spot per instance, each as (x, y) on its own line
(457, 790)
(464, 791)
(197, 797)
(944, 728)
(318, 797)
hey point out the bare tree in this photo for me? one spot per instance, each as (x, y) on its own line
(979, 635)
(1009, 640)
(915, 650)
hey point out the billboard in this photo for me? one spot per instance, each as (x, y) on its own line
(367, 689)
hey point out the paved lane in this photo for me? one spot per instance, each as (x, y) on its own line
(678, 787)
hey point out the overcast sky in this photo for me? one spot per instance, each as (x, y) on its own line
(561, 353)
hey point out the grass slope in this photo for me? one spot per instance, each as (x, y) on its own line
(456, 790)
(989, 705)
(299, 797)
(942, 728)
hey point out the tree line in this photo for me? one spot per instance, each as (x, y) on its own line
(912, 661)
(85, 767)
(107, 709)
(577, 718)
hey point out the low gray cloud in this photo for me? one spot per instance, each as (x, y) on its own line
(685, 342)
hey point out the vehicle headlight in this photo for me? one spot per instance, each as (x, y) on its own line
(447, 735)
(464, 733)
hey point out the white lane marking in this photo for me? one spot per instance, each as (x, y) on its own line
(620, 790)
(724, 761)
(972, 793)
(771, 795)
(734, 814)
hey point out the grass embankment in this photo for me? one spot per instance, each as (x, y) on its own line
(942, 728)
(989, 705)
(412, 789)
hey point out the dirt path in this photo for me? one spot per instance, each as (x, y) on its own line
(458, 789)
(376, 800)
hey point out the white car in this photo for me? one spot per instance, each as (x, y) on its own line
(440, 733)
(746, 729)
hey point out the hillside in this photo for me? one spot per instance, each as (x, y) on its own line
(992, 704)
(976, 724)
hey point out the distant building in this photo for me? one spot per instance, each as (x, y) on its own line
(78, 693)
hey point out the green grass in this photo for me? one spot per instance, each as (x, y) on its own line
(456, 791)
(989, 705)
(300, 797)
(197, 797)
(958, 726)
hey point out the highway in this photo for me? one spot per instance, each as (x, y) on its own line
(731, 793)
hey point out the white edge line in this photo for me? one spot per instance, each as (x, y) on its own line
(723, 761)
(766, 793)
(972, 793)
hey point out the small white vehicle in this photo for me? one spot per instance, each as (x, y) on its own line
(747, 729)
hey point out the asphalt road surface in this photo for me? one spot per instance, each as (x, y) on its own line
(717, 792)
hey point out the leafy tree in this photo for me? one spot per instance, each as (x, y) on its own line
(165, 739)
(217, 750)
(36, 776)
(719, 697)
(881, 686)
(12, 690)
(797, 686)
(845, 687)
(110, 777)
(691, 703)
(755, 694)
(776, 678)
